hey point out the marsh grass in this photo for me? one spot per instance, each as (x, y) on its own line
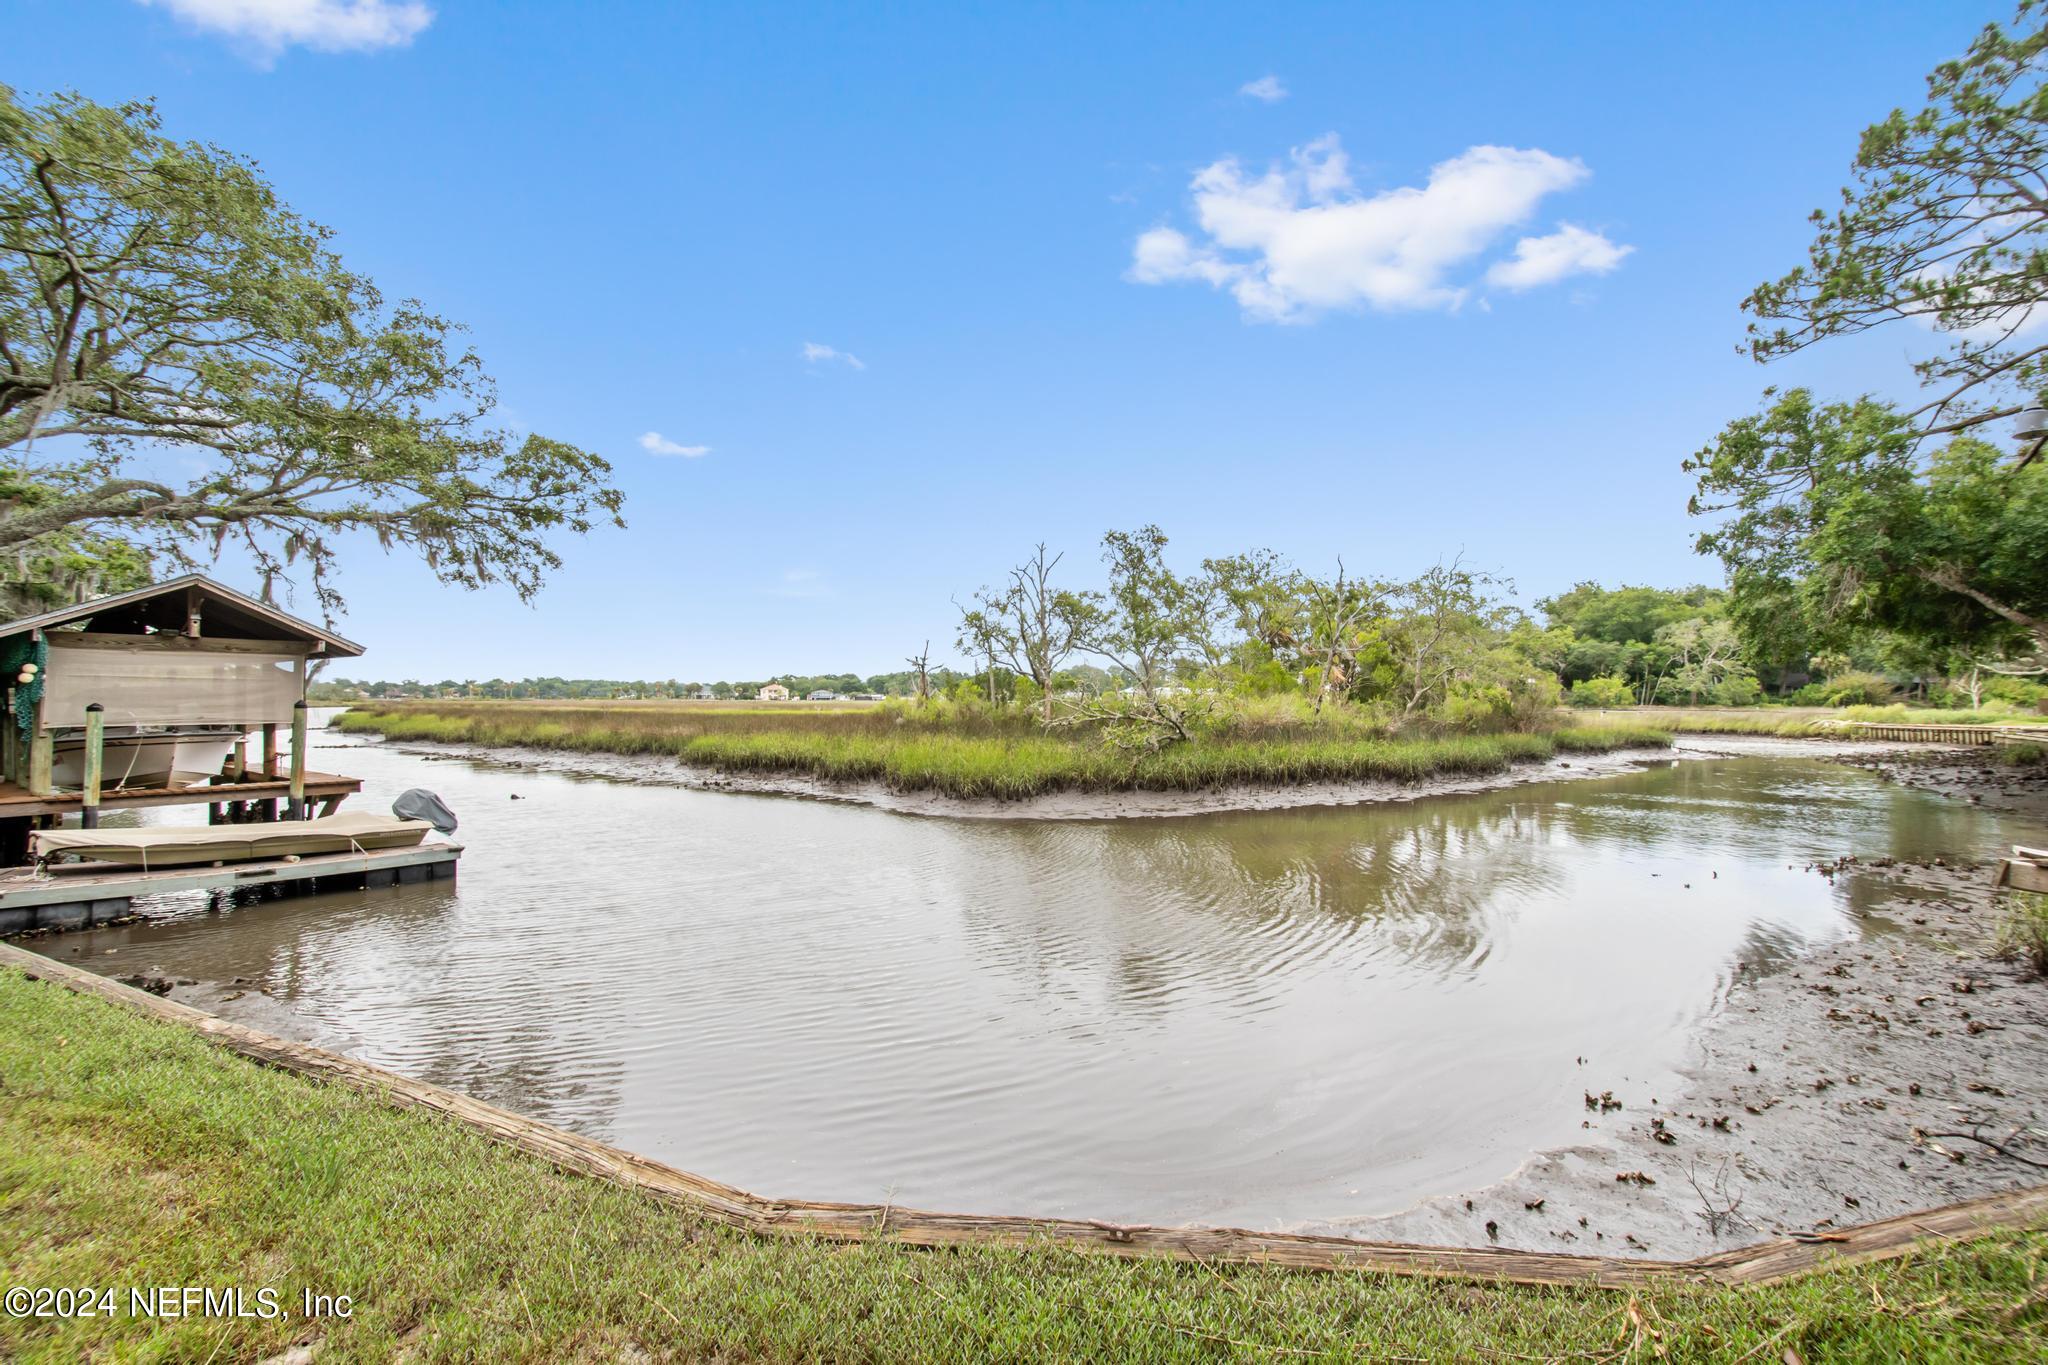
(2023, 937)
(982, 754)
(132, 1153)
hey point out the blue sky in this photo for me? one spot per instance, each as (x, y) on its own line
(647, 213)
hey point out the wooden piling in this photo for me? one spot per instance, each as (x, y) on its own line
(295, 805)
(42, 756)
(95, 752)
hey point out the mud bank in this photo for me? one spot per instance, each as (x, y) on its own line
(655, 771)
(1847, 1085)
(1975, 775)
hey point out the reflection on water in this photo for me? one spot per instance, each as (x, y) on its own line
(1259, 1019)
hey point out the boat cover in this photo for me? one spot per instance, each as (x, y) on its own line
(417, 803)
(183, 845)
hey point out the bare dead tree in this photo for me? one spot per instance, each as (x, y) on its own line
(1336, 611)
(920, 664)
(1043, 626)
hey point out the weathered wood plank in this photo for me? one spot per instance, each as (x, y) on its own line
(750, 1212)
(14, 801)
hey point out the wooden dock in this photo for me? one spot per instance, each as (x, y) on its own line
(75, 895)
(16, 800)
(1950, 734)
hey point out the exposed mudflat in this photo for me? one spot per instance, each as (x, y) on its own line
(1974, 775)
(1848, 1086)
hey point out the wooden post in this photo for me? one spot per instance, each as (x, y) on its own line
(241, 761)
(95, 748)
(10, 744)
(41, 756)
(266, 809)
(295, 808)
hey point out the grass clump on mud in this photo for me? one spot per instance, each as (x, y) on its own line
(977, 753)
(2023, 938)
(133, 1153)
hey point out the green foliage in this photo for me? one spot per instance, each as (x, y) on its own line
(1857, 688)
(2021, 755)
(1832, 502)
(1627, 614)
(2027, 693)
(1945, 227)
(157, 295)
(66, 567)
(1845, 519)
(1737, 689)
(1702, 657)
(1603, 692)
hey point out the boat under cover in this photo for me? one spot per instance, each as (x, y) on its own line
(184, 845)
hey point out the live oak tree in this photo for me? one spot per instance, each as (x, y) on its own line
(1835, 507)
(185, 364)
(1858, 514)
(1946, 226)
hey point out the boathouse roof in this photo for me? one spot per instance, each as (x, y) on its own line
(170, 607)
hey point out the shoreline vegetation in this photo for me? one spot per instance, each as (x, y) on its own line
(135, 1152)
(981, 754)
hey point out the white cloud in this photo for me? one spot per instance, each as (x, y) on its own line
(270, 26)
(654, 443)
(1267, 88)
(1302, 239)
(1546, 260)
(814, 352)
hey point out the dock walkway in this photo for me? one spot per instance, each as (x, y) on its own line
(1950, 734)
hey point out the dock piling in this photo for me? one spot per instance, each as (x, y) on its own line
(41, 758)
(95, 761)
(295, 804)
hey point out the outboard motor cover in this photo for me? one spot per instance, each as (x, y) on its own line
(421, 804)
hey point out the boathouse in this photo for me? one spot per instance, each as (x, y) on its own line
(150, 698)
(146, 698)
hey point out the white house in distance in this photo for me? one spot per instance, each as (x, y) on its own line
(773, 692)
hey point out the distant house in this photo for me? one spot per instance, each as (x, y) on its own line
(704, 694)
(773, 692)
(823, 694)
(865, 696)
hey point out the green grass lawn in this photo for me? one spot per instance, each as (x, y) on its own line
(132, 1153)
(1000, 757)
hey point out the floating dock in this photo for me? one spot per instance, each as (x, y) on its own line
(75, 895)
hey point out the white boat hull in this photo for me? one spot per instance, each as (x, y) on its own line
(143, 760)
